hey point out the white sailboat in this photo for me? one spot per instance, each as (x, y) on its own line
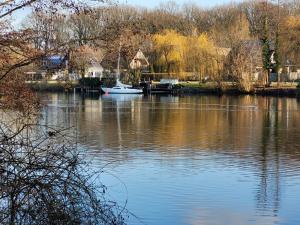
(121, 88)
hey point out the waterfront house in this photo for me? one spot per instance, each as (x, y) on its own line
(94, 70)
(54, 67)
(139, 61)
(55, 63)
(292, 72)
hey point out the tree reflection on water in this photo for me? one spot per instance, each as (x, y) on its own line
(257, 136)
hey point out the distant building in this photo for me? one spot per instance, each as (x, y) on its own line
(139, 61)
(222, 51)
(51, 67)
(54, 67)
(290, 72)
(94, 70)
(54, 63)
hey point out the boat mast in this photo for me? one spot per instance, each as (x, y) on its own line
(119, 59)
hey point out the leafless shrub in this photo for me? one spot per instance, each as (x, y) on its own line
(44, 180)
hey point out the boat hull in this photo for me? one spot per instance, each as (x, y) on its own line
(122, 91)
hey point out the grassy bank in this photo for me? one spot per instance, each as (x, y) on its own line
(202, 88)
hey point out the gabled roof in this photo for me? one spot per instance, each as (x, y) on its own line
(54, 62)
(222, 51)
(139, 61)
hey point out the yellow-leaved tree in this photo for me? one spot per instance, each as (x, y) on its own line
(290, 39)
(170, 49)
(198, 55)
(184, 55)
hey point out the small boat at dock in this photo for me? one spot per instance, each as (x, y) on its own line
(121, 88)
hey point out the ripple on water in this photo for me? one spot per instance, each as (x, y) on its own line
(194, 159)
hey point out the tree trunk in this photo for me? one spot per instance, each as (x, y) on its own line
(12, 209)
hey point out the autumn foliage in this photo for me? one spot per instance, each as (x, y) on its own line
(186, 54)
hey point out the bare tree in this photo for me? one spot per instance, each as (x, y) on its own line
(49, 31)
(43, 177)
(243, 61)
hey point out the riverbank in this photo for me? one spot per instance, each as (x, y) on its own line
(52, 86)
(285, 89)
(277, 91)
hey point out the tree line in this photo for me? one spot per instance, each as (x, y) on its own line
(175, 38)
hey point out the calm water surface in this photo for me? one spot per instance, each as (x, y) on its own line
(198, 160)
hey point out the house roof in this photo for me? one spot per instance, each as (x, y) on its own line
(54, 62)
(95, 64)
(55, 59)
(139, 61)
(222, 51)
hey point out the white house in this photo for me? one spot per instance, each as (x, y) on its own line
(94, 70)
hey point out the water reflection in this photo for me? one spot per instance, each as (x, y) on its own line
(269, 188)
(120, 101)
(184, 159)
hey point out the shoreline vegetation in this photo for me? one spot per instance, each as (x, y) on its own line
(233, 89)
(44, 176)
(41, 167)
(284, 89)
(245, 43)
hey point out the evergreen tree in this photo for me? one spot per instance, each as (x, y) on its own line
(266, 53)
(277, 56)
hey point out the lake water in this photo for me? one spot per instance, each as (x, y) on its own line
(198, 160)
